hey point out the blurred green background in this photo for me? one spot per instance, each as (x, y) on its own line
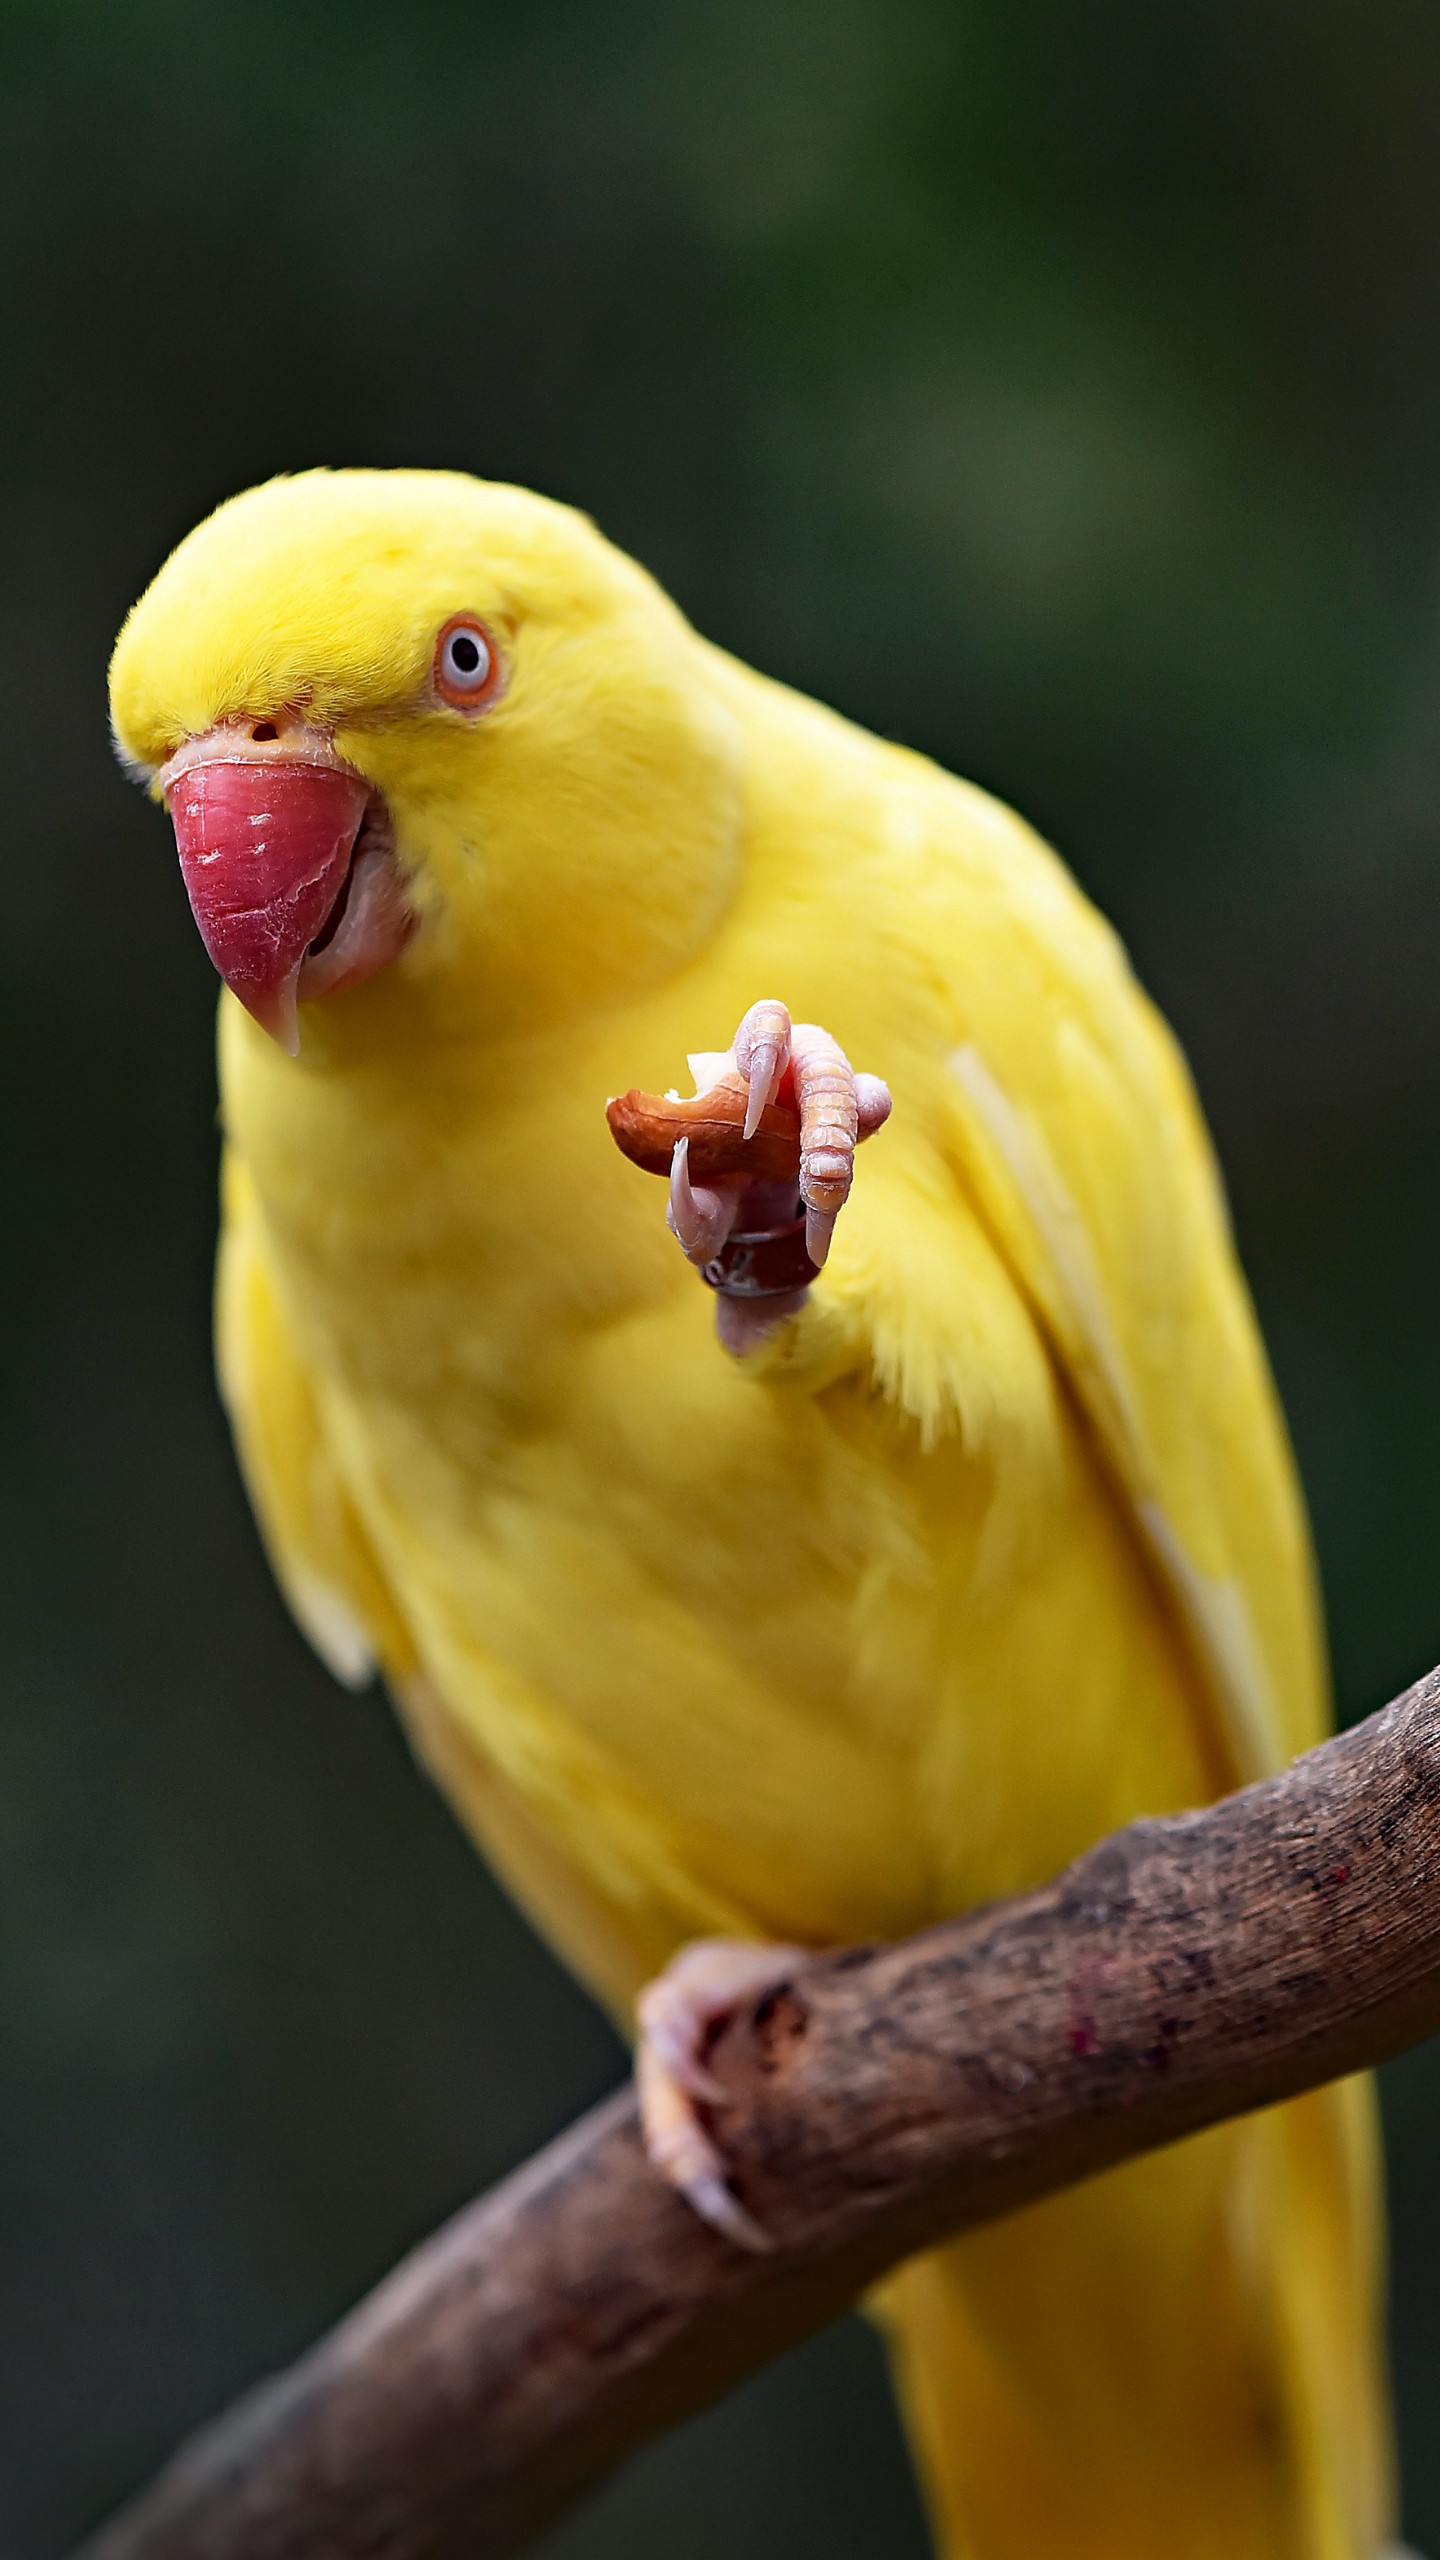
(1056, 388)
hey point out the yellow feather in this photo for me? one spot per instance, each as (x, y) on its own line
(995, 1546)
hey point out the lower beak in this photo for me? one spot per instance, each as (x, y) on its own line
(265, 847)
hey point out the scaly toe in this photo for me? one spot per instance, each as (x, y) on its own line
(829, 1129)
(873, 1105)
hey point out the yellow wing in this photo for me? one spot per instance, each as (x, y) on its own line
(1047, 1151)
(1075, 1124)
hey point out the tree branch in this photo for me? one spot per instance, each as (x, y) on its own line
(1181, 1972)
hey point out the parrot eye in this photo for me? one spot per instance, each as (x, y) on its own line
(467, 664)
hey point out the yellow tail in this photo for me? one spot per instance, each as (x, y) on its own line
(1178, 2361)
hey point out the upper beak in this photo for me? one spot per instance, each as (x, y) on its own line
(265, 831)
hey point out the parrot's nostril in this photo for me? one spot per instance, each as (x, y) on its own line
(264, 729)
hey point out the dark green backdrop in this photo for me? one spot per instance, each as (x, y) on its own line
(1055, 387)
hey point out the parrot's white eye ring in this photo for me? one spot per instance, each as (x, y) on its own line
(467, 672)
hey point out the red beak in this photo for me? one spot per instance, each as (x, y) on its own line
(264, 849)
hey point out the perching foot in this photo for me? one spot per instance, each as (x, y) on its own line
(680, 2013)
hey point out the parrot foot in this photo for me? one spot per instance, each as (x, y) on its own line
(679, 2014)
(838, 1110)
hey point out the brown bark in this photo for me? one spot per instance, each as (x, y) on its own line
(1183, 1971)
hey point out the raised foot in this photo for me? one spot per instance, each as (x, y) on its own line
(838, 1109)
(680, 2013)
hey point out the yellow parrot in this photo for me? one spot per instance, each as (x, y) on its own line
(967, 1534)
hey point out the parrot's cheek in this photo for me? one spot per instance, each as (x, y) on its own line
(289, 878)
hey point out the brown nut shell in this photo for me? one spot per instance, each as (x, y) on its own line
(645, 1127)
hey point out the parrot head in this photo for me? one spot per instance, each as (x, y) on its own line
(431, 735)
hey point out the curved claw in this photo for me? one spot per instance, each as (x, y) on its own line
(689, 2162)
(819, 1233)
(700, 1217)
(762, 1054)
(713, 2201)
